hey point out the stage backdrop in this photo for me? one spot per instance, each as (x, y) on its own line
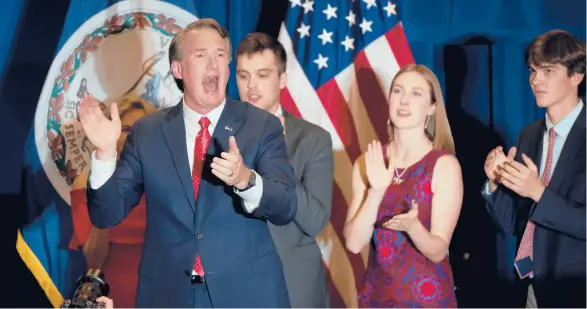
(342, 58)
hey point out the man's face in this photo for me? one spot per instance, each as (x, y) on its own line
(203, 67)
(551, 83)
(259, 81)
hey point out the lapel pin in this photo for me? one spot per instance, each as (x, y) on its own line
(227, 128)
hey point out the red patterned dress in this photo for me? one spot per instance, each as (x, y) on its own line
(398, 275)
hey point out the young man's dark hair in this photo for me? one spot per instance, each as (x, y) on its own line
(258, 42)
(557, 47)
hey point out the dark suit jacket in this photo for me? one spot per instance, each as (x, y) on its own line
(559, 216)
(242, 266)
(309, 149)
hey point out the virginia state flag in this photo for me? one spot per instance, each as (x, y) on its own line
(110, 49)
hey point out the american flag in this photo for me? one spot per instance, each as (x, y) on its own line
(342, 57)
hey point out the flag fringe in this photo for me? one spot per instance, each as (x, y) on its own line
(34, 265)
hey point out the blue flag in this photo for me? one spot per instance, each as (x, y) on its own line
(116, 51)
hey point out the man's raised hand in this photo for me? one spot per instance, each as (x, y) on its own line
(101, 131)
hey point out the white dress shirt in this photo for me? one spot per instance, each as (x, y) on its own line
(562, 129)
(101, 171)
(279, 111)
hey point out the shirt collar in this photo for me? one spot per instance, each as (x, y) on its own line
(192, 118)
(279, 111)
(564, 126)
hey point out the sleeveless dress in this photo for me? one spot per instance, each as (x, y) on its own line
(397, 274)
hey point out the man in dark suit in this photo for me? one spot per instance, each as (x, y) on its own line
(537, 191)
(260, 69)
(207, 242)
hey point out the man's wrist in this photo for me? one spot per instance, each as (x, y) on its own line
(105, 155)
(536, 194)
(492, 186)
(242, 184)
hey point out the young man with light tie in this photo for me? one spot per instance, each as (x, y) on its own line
(537, 191)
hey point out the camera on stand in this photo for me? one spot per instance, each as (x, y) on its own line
(89, 287)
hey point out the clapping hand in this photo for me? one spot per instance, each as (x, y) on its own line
(378, 174)
(230, 167)
(495, 161)
(404, 222)
(101, 131)
(523, 178)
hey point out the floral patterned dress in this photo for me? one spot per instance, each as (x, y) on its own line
(398, 275)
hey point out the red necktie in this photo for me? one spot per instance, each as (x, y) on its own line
(200, 149)
(526, 245)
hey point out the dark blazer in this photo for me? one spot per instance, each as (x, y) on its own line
(559, 216)
(309, 148)
(242, 266)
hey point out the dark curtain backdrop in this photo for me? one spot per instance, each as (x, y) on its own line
(475, 48)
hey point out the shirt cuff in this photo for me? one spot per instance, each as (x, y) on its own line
(252, 196)
(101, 171)
(485, 192)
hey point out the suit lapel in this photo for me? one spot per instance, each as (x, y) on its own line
(574, 143)
(212, 188)
(174, 133)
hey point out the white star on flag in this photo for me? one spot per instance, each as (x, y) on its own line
(294, 3)
(304, 30)
(351, 18)
(348, 43)
(366, 26)
(326, 37)
(321, 62)
(390, 9)
(370, 3)
(330, 12)
(308, 6)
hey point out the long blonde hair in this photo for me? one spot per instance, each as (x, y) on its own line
(437, 128)
(130, 102)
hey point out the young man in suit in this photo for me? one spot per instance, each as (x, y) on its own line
(537, 191)
(209, 199)
(260, 72)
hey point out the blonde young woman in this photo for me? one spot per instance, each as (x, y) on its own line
(407, 197)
